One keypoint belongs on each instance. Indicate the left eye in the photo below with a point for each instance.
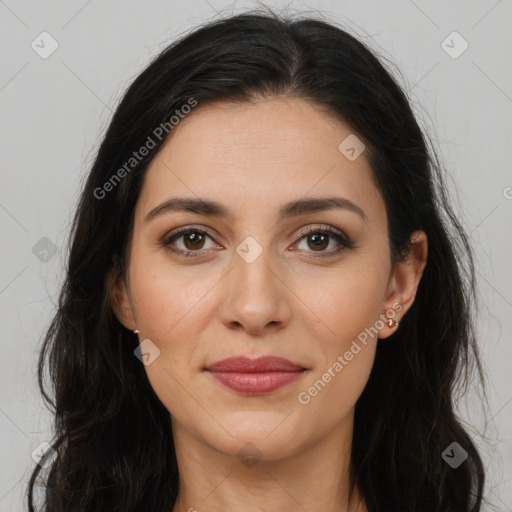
(318, 240)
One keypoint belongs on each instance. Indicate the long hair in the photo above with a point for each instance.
(112, 435)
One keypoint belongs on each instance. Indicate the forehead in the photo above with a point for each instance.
(261, 154)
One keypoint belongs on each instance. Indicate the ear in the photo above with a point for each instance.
(404, 281)
(117, 292)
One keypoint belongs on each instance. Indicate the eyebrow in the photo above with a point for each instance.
(288, 210)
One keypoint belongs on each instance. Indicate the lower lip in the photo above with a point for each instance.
(256, 383)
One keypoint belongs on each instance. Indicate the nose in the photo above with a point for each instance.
(255, 299)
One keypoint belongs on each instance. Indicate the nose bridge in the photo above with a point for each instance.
(254, 295)
(253, 268)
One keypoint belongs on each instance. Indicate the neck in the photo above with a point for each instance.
(314, 478)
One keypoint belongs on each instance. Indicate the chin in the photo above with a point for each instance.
(266, 438)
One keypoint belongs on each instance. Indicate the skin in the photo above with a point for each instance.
(253, 158)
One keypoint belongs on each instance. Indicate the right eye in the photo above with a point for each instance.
(193, 240)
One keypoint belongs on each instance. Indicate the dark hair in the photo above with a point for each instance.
(113, 436)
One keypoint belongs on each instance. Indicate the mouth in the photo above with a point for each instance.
(255, 376)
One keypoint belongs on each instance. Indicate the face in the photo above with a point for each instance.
(305, 284)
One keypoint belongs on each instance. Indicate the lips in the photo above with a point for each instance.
(255, 376)
(261, 364)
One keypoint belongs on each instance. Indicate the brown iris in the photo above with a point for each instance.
(194, 239)
(319, 240)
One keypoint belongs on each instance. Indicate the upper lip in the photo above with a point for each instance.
(242, 364)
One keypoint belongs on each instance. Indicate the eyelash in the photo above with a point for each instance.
(344, 241)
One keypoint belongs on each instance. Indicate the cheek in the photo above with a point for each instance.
(169, 301)
(332, 392)
(171, 311)
(342, 303)
(347, 304)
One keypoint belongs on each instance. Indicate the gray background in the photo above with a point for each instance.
(55, 110)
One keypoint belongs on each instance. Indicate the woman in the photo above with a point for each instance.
(268, 297)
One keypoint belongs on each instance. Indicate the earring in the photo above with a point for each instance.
(392, 323)
(136, 331)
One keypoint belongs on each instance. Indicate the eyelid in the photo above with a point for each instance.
(184, 229)
(323, 228)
